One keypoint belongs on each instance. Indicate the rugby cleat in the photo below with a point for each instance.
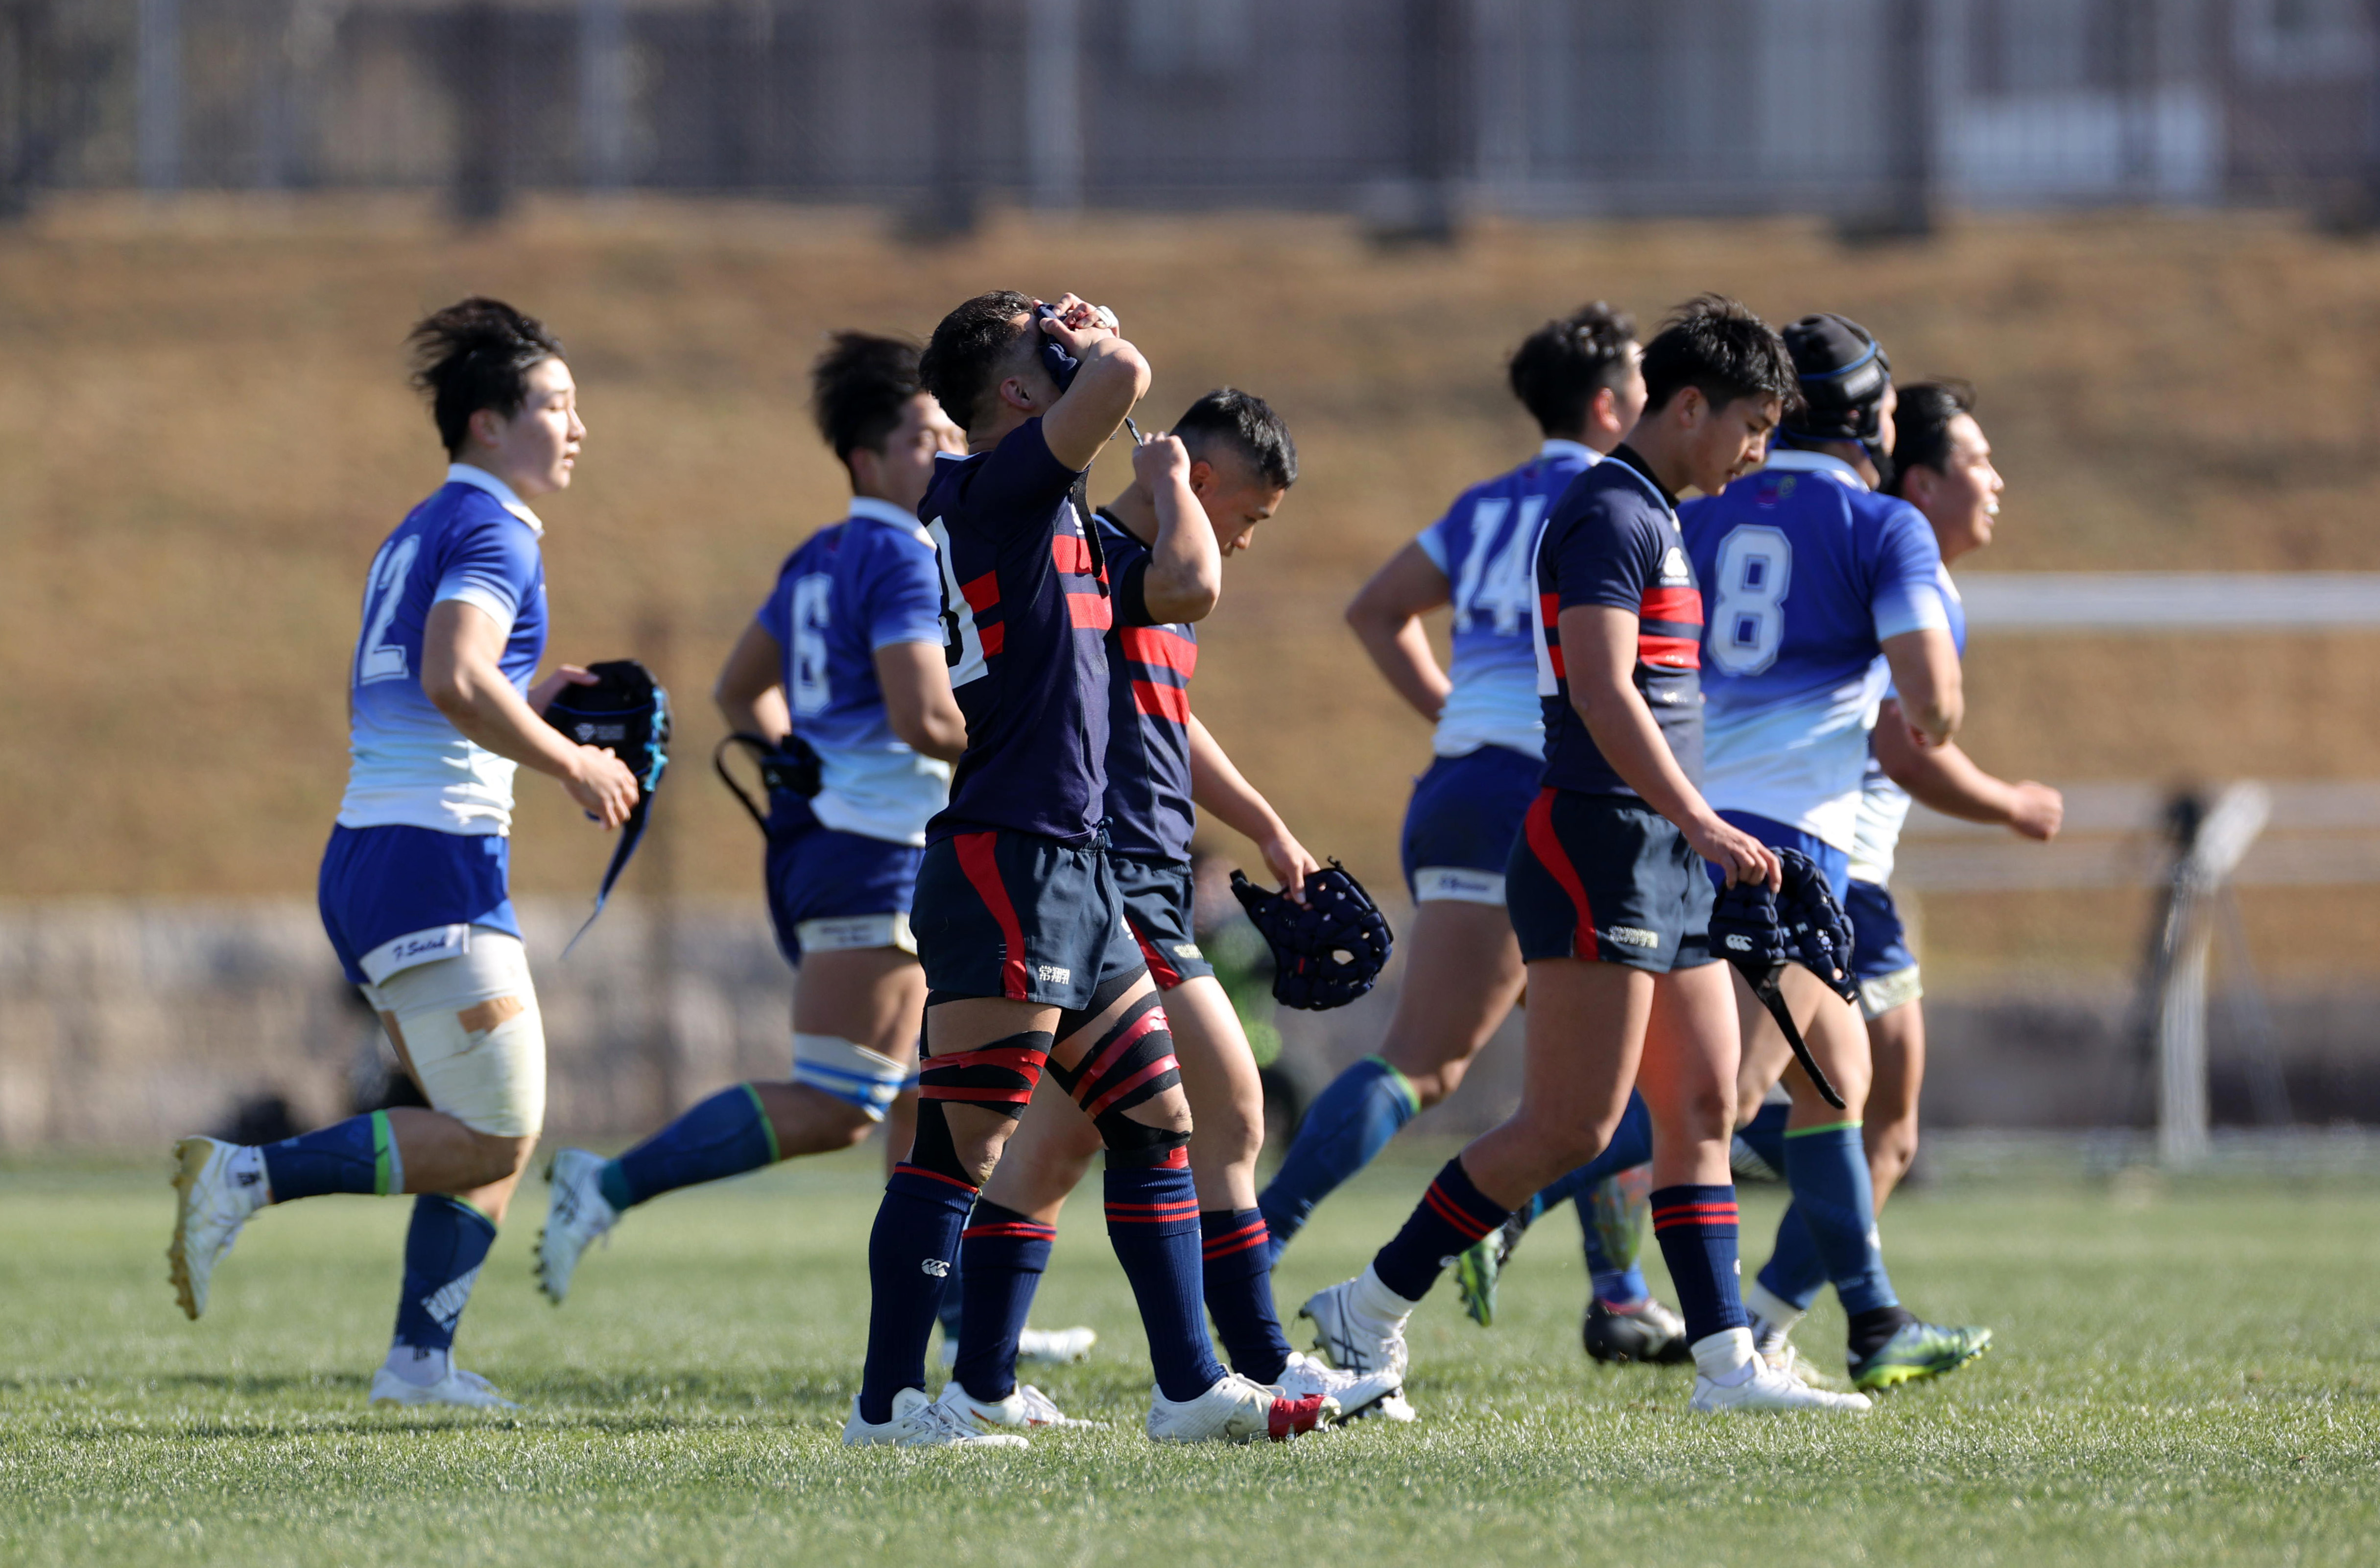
(1918, 1350)
(1767, 1389)
(1787, 1357)
(1237, 1409)
(215, 1191)
(455, 1385)
(1647, 1333)
(1357, 1395)
(1039, 1347)
(918, 1422)
(576, 1213)
(1352, 1339)
(1026, 1408)
(1477, 1269)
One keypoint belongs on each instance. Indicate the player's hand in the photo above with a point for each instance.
(1743, 857)
(601, 784)
(1160, 460)
(2037, 812)
(541, 695)
(1078, 323)
(1289, 864)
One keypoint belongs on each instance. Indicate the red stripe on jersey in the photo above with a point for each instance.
(1154, 645)
(1162, 701)
(994, 637)
(1537, 828)
(1554, 658)
(1684, 605)
(1671, 652)
(1072, 554)
(1090, 612)
(983, 875)
(1549, 609)
(983, 592)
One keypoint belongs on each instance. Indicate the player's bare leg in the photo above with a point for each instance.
(1897, 1045)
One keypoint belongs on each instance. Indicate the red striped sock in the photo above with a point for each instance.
(1696, 1229)
(1451, 1216)
(1153, 1224)
(1238, 1259)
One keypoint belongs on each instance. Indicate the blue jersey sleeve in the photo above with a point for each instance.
(1432, 541)
(489, 562)
(1907, 597)
(776, 615)
(1019, 485)
(903, 599)
(1608, 555)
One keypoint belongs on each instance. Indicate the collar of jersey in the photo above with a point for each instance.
(883, 511)
(1793, 459)
(479, 478)
(1648, 481)
(1556, 446)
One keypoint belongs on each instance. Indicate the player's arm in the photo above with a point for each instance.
(1925, 665)
(750, 691)
(461, 645)
(1185, 575)
(1386, 614)
(919, 702)
(1598, 646)
(1113, 378)
(1947, 779)
(1218, 789)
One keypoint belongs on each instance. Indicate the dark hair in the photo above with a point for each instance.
(970, 346)
(1717, 347)
(1921, 426)
(1559, 368)
(477, 354)
(861, 390)
(1246, 422)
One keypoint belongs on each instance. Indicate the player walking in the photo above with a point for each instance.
(1814, 576)
(414, 883)
(1606, 889)
(1019, 919)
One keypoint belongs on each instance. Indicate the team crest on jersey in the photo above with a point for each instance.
(1674, 566)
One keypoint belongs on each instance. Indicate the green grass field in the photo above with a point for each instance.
(2184, 1376)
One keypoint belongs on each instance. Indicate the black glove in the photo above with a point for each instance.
(1327, 951)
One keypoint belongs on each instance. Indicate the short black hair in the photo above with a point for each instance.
(970, 346)
(1247, 422)
(1717, 347)
(1559, 368)
(475, 354)
(1921, 426)
(861, 390)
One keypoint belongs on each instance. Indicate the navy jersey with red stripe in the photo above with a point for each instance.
(1025, 619)
(1613, 540)
(1149, 666)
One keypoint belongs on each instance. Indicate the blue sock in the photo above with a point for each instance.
(725, 1136)
(951, 1313)
(1003, 1255)
(1451, 1217)
(1795, 1272)
(1237, 1257)
(1765, 1135)
(358, 1155)
(1601, 1212)
(1345, 1128)
(1631, 1146)
(1826, 1168)
(909, 1256)
(1153, 1224)
(1695, 1226)
(444, 1248)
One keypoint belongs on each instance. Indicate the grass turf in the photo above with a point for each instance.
(2180, 1376)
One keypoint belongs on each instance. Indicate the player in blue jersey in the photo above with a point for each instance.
(1196, 496)
(1819, 585)
(1019, 918)
(414, 887)
(1580, 379)
(1606, 889)
(846, 656)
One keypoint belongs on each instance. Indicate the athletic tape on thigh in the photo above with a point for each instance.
(1111, 990)
(848, 1071)
(997, 1077)
(1886, 992)
(1131, 1064)
(475, 1037)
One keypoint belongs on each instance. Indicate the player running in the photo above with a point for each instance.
(1607, 887)
(1196, 496)
(1814, 576)
(414, 883)
(1019, 918)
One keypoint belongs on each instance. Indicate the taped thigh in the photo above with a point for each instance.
(470, 1028)
(866, 1079)
(1131, 1064)
(999, 1078)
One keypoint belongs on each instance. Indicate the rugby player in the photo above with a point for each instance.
(1606, 888)
(414, 883)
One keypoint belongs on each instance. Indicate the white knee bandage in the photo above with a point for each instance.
(849, 933)
(470, 1028)
(849, 1071)
(1886, 992)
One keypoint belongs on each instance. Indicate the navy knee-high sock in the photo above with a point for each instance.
(1764, 1135)
(1826, 1168)
(1450, 1216)
(951, 1313)
(1003, 1255)
(909, 1255)
(1237, 1257)
(358, 1155)
(1345, 1128)
(724, 1136)
(1794, 1273)
(1695, 1226)
(1153, 1226)
(444, 1248)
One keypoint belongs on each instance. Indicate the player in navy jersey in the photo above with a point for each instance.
(1580, 379)
(1019, 919)
(1606, 889)
(847, 657)
(1197, 496)
(414, 883)
(1818, 586)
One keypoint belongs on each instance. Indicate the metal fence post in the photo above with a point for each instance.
(157, 114)
(2222, 839)
(603, 93)
(1053, 102)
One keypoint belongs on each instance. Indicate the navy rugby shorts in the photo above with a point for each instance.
(1879, 942)
(1833, 864)
(1156, 908)
(844, 889)
(394, 897)
(1608, 879)
(1463, 821)
(1020, 916)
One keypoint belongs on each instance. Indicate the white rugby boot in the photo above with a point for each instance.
(1359, 1325)
(1039, 1347)
(1237, 1409)
(1026, 1408)
(451, 1386)
(1730, 1378)
(576, 1212)
(918, 1422)
(217, 1186)
(1357, 1395)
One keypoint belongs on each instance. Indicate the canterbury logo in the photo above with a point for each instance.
(1633, 936)
(935, 1268)
(1739, 945)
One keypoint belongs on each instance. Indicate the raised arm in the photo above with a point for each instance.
(750, 691)
(1112, 378)
(1184, 576)
(1218, 789)
(461, 645)
(1386, 614)
(919, 703)
(1925, 666)
(1947, 779)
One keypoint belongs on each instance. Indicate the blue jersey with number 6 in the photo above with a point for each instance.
(1486, 545)
(1806, 573)
(851, 589)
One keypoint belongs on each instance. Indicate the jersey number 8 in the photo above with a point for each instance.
(1747, 624)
